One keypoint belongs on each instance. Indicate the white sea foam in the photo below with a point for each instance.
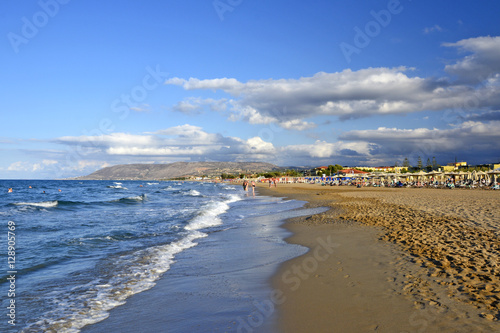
(193, 193)
(132, 273)
(118, 187)
(143, 269)
(209, 214)
(141, 197)
(138, 197)
(46, 204)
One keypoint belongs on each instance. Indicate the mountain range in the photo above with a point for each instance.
(176, 170)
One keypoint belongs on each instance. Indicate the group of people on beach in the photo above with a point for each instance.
(246, 184)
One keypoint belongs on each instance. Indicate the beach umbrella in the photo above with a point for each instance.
(482, 174)
(421, 174)
(435, 173)
(493, 173)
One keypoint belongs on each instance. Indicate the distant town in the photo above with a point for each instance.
(331, 170)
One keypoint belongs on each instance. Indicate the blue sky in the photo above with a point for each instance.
(88, 84)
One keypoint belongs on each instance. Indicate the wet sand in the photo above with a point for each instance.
(221, 285)
(392, 260)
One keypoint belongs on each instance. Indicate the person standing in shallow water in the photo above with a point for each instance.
(245, 185)
(253, 187)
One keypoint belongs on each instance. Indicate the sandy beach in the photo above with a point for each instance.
(392, 260)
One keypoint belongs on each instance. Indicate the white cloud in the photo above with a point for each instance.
(434, 28)
(140, 108)
(20, 166)
(194, 105)
(469, 139)
(347, 94)
(483, 63)
(297, 124)
(31, 167)
(49, 162)
(322, 149)
(187, 107)
(367, 92)
(214, 84)
(184, 141)
(188, 142)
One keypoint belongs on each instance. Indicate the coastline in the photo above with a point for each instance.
(402, 260)
(222, 284)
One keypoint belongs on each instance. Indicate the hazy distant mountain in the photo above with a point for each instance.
(177, 169)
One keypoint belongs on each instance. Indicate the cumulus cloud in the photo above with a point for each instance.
(367, 92)
(347, 94)
(322, 149)
(481, 64)
(213, 84)
(194, 105)
(175, 142)
(469, 139)
(188, 142)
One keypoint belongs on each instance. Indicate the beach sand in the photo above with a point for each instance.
(392, 260)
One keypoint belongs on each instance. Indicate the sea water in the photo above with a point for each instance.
(83, 248)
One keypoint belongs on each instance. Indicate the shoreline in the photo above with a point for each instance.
(220, 285)
(401, 250)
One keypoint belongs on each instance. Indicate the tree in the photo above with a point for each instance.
(406, 163)
(292, 173)
(419, 163)
(428, 165)
(434, 163)
(331, 169)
